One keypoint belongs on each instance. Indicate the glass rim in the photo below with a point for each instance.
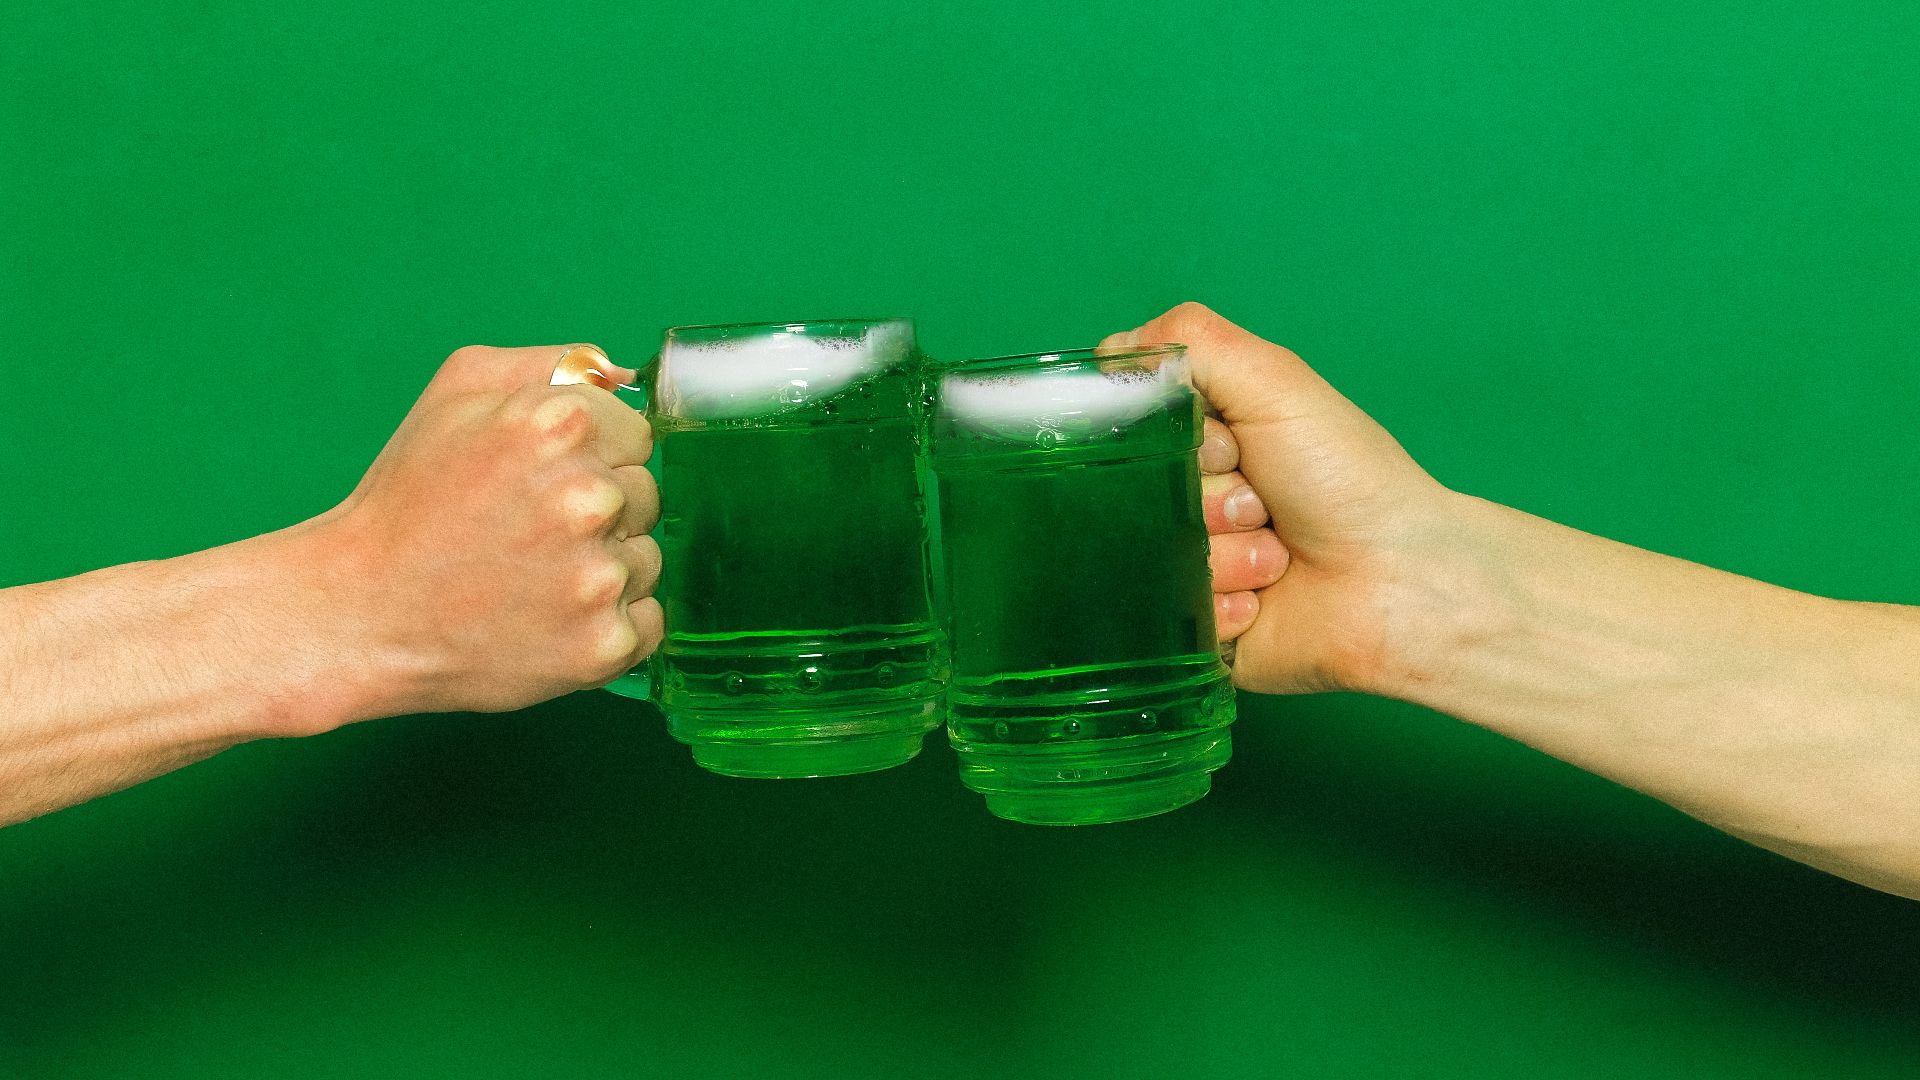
(1065, 357)
(787, 326)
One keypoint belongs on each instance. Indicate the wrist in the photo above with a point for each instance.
(1450, 590)
(336, 664)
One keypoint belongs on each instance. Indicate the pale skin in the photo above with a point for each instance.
(495, 556)
(1791, 721)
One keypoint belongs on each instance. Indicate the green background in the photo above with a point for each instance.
(1649, 269)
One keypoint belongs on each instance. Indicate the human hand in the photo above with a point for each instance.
(1313, 510)
(496, 553)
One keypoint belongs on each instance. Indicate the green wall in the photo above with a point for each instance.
(1649, 269)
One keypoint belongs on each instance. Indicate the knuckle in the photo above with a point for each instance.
(518, 407)
(467, 356)
(594, 503)
(1191, 316)
(1195, 324)
(557, 422)
(602, 582)
(557, 412)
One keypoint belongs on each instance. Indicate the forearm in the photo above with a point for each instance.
(1787, 719)
(119, 675)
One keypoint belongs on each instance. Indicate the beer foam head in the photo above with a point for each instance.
(1070, 399)
(736, 377)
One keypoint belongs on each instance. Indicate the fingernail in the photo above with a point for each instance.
(1244, 508)
(589, 364)
(1236, 607)
(1267, 554)
(1215, 455)
(606, 374)
(625, 376)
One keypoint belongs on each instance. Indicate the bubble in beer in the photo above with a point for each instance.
(810, 679)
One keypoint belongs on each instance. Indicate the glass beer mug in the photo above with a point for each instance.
(800, 633)
(1087, 681)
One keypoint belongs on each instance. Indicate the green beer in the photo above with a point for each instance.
(1087, 682)
(800, 634)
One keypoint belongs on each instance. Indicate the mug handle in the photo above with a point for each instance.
(637, 395)
(637, 684)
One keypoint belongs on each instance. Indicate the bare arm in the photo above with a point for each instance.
(1789, 720)
(494, 556)
(119, 675)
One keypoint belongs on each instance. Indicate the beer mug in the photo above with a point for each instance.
(800, 634)
(1087, 680)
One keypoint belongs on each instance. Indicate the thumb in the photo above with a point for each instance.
(1250, 381)
(1317, 461)
(485, 368)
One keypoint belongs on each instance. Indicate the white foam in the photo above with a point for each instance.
(725, 380)
(1074, 399)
